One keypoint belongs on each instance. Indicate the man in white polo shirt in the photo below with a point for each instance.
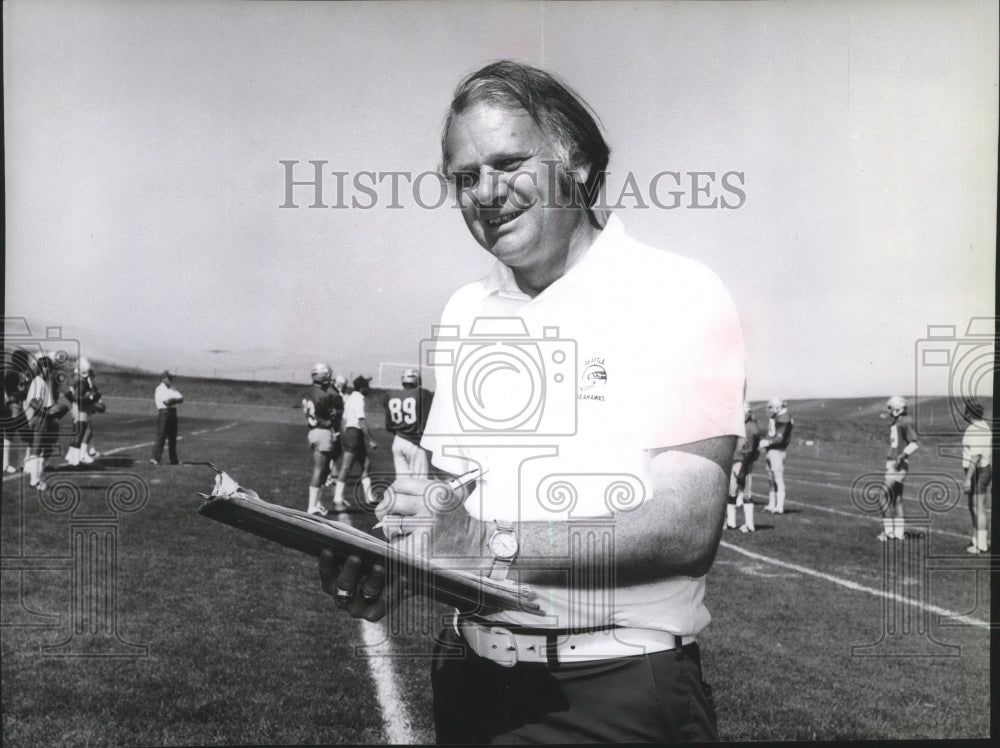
(357, 442)
(166, 399)
(599, 382)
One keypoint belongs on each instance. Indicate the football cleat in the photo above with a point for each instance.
(882, 537)
(896, 406)
(747, 528)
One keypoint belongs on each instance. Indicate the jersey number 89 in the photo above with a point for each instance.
(402, 410)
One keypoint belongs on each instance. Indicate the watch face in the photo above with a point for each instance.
(503, 545)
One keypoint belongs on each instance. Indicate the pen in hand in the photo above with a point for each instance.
(458, 482)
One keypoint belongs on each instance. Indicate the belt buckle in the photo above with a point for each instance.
(511, 649)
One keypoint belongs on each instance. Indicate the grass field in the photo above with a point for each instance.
(222, 638)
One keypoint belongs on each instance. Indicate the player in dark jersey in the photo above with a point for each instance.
(740, 481)
(86, 400)
(17, 376)
(779, 436)
(324, 410)
(902, 444)
(406, 412)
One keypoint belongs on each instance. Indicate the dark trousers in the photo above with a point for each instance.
(650, 698)
(166, 431)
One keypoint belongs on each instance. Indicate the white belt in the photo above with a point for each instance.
(508, 647)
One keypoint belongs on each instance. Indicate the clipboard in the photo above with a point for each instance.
(470, 592)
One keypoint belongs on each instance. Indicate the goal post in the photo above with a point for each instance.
(390, 373)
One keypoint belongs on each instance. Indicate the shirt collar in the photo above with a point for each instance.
(501, 282)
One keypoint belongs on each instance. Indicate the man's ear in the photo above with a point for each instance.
(580, 174)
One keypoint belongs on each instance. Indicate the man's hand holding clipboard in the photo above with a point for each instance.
(364, 573)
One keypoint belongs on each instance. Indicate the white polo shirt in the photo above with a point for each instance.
(163, 393)
(354, 410)
(632, 349)
(39, 390)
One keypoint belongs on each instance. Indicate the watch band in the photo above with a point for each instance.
(501, 564)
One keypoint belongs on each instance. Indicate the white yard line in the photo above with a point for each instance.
(854, 586)
(395, 717)
(856, 515)
(126, 448)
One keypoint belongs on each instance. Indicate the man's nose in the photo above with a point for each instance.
(491, 188)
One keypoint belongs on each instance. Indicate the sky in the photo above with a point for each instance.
(846, 152)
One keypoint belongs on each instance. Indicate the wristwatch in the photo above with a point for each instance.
(503, 546)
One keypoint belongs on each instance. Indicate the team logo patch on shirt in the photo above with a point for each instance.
(593, 380)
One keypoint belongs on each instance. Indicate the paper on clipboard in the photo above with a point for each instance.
(469, 592)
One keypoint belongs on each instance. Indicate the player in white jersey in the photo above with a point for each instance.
(977, 460)
(779, 436)
(356, 443)
(902, 444)
(42, 410)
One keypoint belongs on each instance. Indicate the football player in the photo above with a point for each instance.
(357, 442)
(340, 384)
(779, 434)
(740, 481)
(902, 444)
(85, 400)
(977, 443)
(17, 375)
(324, 408)
(42, 410)
(406, 412)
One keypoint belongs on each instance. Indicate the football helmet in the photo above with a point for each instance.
(774, 405)
(974, 410)
(410, 376)
(340, 381)
(321, 373)
(896, 406)
(84, 368)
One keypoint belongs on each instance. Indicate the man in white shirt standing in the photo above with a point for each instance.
(598, 382)
(167, 399)
(977, 452)
(357, 441)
